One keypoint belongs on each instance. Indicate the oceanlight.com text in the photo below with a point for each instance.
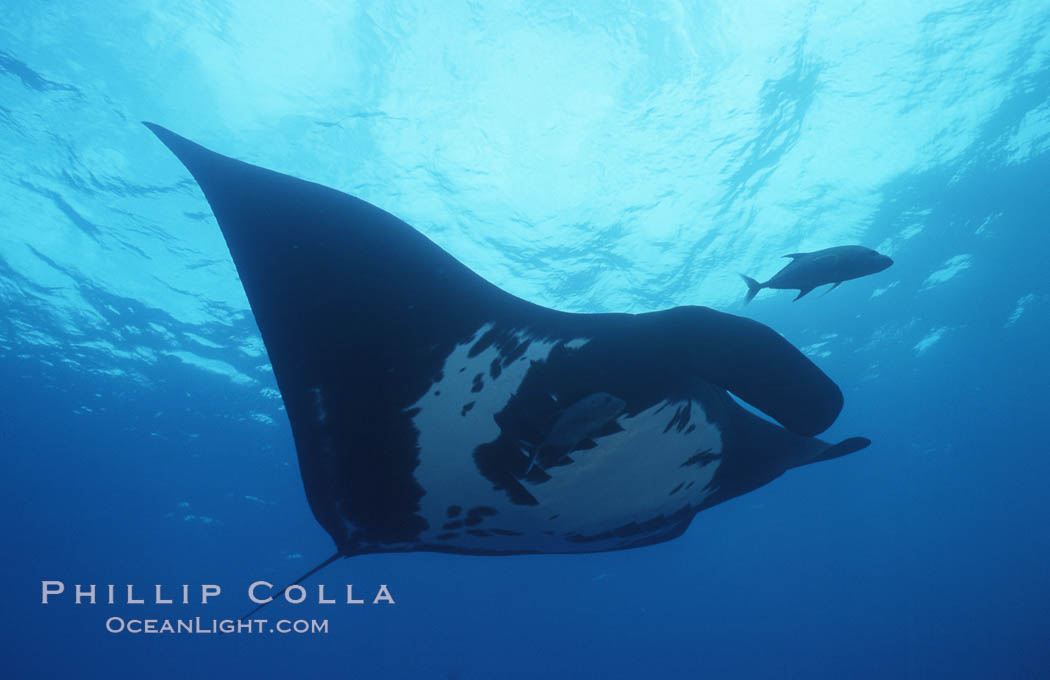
(197, 626)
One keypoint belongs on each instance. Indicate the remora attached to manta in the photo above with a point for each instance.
(410, 383)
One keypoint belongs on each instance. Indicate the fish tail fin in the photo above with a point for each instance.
(299, 580)
(752, 288)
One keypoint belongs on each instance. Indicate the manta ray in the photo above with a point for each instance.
(411, 383)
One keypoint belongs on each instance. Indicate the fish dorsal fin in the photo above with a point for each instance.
(795, 256)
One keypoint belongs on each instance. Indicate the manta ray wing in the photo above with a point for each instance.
(409, 381)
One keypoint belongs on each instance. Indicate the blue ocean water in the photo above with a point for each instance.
(600, 157)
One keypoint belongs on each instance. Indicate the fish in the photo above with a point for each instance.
(577, 423)
(806, 271)
(409, 382)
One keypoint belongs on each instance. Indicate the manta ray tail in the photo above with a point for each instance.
(752, 288)
(299, 580)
